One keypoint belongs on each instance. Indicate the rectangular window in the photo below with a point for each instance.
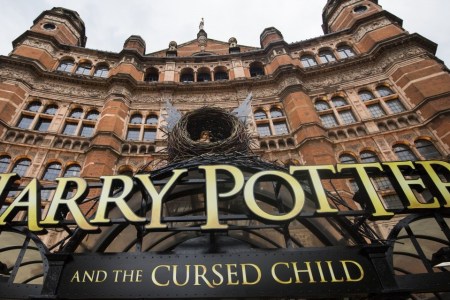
(133, 134)
(87, 130)
(347, 116)
(264, 130)
(383, 183)
(328, 120)
(149, 135)
(395, 106)
(376, 110)
(43, 124)
(70, 128)
(25, 122)
(280, 128)
(392, 202)
(353, 186)
(3, 208)
(45, 194)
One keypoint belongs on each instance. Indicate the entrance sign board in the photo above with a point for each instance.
(280, 273)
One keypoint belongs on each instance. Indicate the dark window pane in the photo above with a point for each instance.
(70, 128)
(34, 106)
(101, 71)
(188, 77)
(92, 115)
(345, 52)
(347, 159)
(52, 171)
(43, 124)
(21, 167)
(276, 113)
(393, 202)
(133, 134)
(339, 101)
(84, 69)
(264, 129)
(326, 56)
(368, 157)
(308, 61)
(404, 153)
(221, 75)
(202, 77)
(347, 117)
(328, 120)
(66, 66)
(321, 105)
(260, 115)
(376, 110)
(384, 91)
(4, 163)
(87, 130)
(72, 171)
(136, 119)
(280, 128)
(365, 96)
(25, 122)
(427, 149)
(51, 110)
(151, 120)
(76, 113)
(149, 135)
(395, 106)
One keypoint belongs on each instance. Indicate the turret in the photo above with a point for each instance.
(270, 35)
(135, 42)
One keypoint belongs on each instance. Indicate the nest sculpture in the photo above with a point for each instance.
(207, 130)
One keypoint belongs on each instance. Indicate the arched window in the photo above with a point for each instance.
(347, 159)
(321, 105)
(52, 171)
(92, 115)
(21, 166)
(368, 157)
(339, 101)
(404, 153)
(5, 160)
(136, 119)
(72, 171)
(256, 69)
(66, 66)
(384, 91)
(84, 69)
(221, 74)
(34, 106)
(51, 109)
(76, 113)
(152, 75)
(260, 115)
(276, 112)
(308, 61)
(101, 71)
(151, 120)
(345, 51)
(187, 75)
(365, 95)
(326, 56)
(203, 75)
(427, 149)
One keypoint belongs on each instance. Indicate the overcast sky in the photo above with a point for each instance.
(110, 22)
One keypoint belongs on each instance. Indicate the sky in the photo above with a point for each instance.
(110, 22)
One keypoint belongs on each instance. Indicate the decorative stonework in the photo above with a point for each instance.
(333, 17)
(65, 22)
(39, 44)
(362, 30)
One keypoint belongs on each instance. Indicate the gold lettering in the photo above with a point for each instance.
(6, 180)
(244, 274)
(116, 274)
(119, 200)
(201, 275)
(405, 185)
(333, 277)
(157, 198)
(156, 282)
(347, 273)
(60, 200)
(298, 196)
(217, 273)
(138, 276)
(274, 274)
(313, 172)
(231, 274)
(98, 277)
(435, 183)
(88, 276)
(33, 205)
(175, 273)
(319, 267)
(212, 210)
(75, 277)
(379, 210)
(308, 270)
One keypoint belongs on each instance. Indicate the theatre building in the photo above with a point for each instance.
(316, 169)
